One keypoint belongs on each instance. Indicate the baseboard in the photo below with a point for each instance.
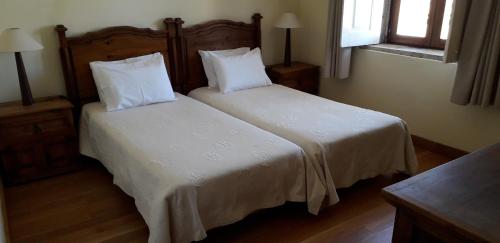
(435, 147)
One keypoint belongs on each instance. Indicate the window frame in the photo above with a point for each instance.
(432, 39)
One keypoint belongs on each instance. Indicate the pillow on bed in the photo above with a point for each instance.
(207, 57)
(241, 72)
(132, 82)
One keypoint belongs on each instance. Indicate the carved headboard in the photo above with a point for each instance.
(108, 44)
(212, 35)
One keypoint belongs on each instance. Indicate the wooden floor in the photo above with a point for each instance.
(87, 207)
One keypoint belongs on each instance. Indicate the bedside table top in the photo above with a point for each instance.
(15, 108)
(296, 67)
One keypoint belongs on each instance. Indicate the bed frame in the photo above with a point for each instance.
(178, 45)
(212, 35)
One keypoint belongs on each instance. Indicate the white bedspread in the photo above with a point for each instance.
(343, 143)
(190, 167)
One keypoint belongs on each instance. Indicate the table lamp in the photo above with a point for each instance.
(14, 40)
(288, 21)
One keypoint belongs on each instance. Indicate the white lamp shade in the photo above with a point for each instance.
(288, 21)
(16, 40)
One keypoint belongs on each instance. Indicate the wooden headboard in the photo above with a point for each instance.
(108, 44)
(212, 35)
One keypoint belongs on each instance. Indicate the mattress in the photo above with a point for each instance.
(343, 143)
(190, 167)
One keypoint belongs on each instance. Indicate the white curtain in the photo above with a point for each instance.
(478, 70)
(338, 59)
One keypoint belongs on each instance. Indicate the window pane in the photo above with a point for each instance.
(362, 22)
(446, 20)
(413, 16)
(348, 18)
(363, 14)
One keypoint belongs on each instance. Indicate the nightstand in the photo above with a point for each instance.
(37, 141)
(301, 76)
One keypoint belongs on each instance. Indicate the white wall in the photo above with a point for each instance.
(417, 90)
(39, 17)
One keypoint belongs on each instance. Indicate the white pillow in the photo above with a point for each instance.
(129, 60)
(241, 72)
(132, 82)
(207, 57)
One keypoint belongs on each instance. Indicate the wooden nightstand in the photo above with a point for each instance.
(301, 76)
(37, 141)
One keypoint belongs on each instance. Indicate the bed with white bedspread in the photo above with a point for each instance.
(343, 143)
(191, 168)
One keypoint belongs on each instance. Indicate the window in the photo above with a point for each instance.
(362, 22)
(422, 23)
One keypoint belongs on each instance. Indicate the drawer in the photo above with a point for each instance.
(291, 83)
(35, 118)
(306, 84)
(309, 85)
(56, 125)
(61, 151)
(30, 161)
(309, 81)
(21, 163)
(300, 76)
(19, 130)
(28, 127)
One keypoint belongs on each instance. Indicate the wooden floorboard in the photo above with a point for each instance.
(87, 207)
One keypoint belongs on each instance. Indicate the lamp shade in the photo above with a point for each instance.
(288, 21)
(16, 40)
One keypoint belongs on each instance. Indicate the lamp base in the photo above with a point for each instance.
(23, 81)
(288, 49)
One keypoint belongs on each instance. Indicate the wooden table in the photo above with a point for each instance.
(456, 202)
